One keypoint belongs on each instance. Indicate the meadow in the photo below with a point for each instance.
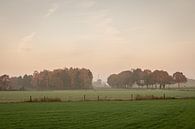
(148, 114)
(73, 112)
(77, 95)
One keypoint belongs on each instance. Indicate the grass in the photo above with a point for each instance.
(150, 114)
(75, 95)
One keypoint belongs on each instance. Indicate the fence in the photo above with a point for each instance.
(132, 97)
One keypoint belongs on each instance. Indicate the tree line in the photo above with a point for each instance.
(156, 78)
(75, 78)
(59, 79)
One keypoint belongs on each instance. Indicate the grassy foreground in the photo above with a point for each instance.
(151, 114)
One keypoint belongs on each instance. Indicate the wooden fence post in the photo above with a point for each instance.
(164, 96)
(98, 97)
(44, 99)
(131, 96)
(83, 97)
(30, 98)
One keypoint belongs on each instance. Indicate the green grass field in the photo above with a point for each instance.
(150, 114)
(75, 95)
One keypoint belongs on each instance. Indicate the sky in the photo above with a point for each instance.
(105, 36)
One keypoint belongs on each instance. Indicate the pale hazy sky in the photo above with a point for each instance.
(106, 36)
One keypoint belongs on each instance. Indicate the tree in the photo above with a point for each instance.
(170, 80)
(146, 77)
(179, 78)
(4, 82)
(35, 79)
(43, 78)
(138, 77)
(160, 77)
(122, 80)
(16, 83)
(85, 78)
(72, 78)
(113, 81)
(27, 81)
(125, 79)
(66, 78)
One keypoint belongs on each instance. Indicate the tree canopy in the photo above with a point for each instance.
(126, 79)
(72, 78)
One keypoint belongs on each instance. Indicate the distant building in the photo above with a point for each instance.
(99, 84)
